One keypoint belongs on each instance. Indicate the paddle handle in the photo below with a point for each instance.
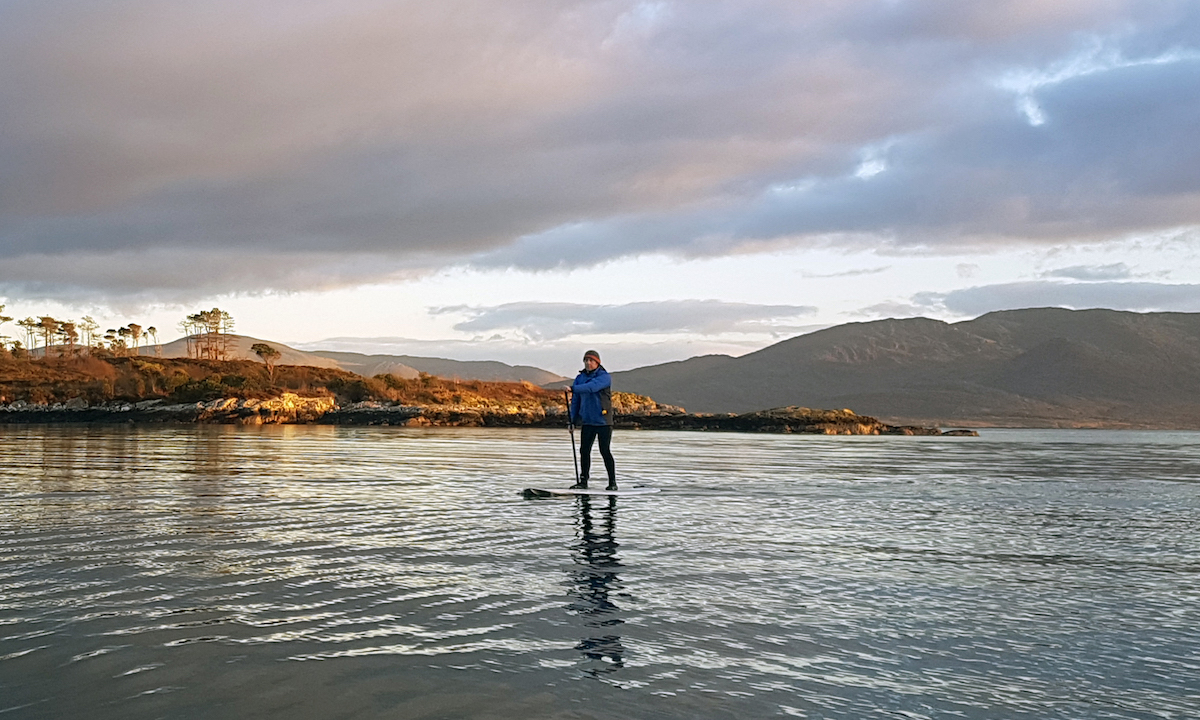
(571, 428)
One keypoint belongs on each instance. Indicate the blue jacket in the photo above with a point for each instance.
(591, 398)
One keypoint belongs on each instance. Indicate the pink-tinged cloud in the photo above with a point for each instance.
(298, 141)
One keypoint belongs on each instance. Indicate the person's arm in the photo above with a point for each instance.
(596, 384)
(573, 414)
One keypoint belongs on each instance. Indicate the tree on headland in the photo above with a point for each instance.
(135, 334)
(210, 329)
(4, 319)
(69, 334)
(29, 325)
(188, 328)
(269, 355)
(153, 333)
(116, 343)
(88, 326)
(49, 328)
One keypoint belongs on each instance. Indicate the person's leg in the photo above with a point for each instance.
(605, 435)
(587, 435)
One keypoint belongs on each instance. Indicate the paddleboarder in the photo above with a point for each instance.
(591, 410)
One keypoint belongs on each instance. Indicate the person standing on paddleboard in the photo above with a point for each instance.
(591, 410)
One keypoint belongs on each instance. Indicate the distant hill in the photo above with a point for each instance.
(238, 348)
(1044, 367)
(403, 365)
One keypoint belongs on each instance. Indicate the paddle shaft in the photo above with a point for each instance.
(571, 428)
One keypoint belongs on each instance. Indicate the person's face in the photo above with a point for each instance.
(590, 363)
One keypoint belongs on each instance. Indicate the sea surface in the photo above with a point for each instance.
(333, 572)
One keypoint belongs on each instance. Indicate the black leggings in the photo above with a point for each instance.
(587, 434)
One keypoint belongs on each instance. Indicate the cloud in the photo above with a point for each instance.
(847, 273)
(891, 309)
(176, 276)
(1134, 296)
(1115, 271)
(296, 140)
(555, 321)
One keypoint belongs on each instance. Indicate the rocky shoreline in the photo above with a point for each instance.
(293, 409)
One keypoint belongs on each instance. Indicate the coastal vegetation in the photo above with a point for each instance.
(77, 363)
(269, 356)
(144, 389)
(206, 333)
(104, 378)
(71, 338)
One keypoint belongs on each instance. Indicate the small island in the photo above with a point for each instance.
(108, 388)
(89, 377)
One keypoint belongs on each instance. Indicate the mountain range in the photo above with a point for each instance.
(404, 366)
(1043, 367)
(237, 347)
(408, 366)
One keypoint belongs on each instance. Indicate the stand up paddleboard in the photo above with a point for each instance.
(566, 492)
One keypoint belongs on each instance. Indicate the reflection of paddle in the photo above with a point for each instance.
(571, 428)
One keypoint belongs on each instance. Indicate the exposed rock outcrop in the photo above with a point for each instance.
(644, 415)
(285, 409)
(294, 409)
(776, 420)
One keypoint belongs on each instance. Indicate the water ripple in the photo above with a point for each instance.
(362, 572)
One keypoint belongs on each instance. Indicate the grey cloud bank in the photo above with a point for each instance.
(301, 145)
(1137, 296)
(1114, 271)
(555, 321)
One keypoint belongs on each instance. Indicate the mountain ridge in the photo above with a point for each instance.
(238, 347)
(490, 370)
(1032, 367)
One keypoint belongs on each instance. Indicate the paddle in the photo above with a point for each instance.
(571, 428)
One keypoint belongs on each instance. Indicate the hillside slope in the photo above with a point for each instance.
(238, 348)
(402, 365)
(1037, 367)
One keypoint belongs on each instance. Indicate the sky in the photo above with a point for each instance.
(523, 180)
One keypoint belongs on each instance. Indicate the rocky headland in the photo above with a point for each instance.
(239, 392)
(289, 408)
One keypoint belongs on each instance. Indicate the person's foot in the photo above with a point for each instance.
(581, 485)
(612, 485)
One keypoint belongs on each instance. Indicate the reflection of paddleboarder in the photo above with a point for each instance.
(591, 409)
(593, 580)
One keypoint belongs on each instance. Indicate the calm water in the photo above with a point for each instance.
(318, 572)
